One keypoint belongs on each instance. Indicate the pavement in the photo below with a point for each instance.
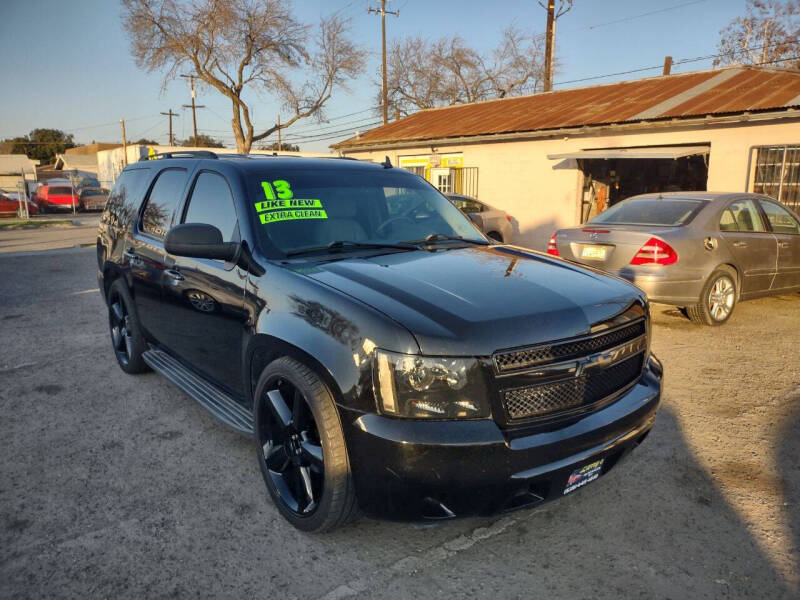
(81, 230)
(118, 486)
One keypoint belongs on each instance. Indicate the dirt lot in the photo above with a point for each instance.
(115, 486)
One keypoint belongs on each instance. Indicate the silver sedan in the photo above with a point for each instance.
(697, 250)
(493, 222)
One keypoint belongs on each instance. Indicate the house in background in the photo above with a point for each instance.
(15, 169)
(555, 159)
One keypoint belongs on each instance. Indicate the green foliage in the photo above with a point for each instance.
(284, 147)
(202, 141)
(42, 144)
(145, 142)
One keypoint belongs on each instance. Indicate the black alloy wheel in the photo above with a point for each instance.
(291, 446)
(123, 325)
(119, 323)
(301, 448)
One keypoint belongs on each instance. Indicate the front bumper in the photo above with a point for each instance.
(440, 469)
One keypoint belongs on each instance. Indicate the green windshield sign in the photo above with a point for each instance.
(281, 205)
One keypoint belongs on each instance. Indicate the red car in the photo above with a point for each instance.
(9, 206)
(56, 198)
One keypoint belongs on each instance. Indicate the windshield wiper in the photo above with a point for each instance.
(442, 237)
(346, 244)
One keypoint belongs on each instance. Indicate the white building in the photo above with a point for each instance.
(555, 159)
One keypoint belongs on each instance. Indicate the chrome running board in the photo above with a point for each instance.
(218, 403)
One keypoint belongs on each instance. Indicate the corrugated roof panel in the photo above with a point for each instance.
(750, 89)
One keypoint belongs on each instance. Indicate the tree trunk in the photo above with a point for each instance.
(243, 144)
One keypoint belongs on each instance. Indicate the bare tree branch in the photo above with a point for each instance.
(238, 45)
(767, 33)
(424, 74)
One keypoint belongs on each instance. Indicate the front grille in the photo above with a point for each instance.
(583, 391)
(514, 360)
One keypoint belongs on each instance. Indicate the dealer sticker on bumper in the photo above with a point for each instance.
(583, 475)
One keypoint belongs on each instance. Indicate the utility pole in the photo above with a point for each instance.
(170, 114)
(279, 133)
(193, 106)
(667, 65)
(124, 143)
(383, 12)
(549, 45)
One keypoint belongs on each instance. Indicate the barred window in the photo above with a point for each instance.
(778, 174)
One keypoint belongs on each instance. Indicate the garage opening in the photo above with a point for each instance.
(610, 175)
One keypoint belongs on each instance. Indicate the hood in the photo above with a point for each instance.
(474, 301)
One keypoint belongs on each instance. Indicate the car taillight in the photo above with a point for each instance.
(655, 252)
(508, 218)
(552, 247)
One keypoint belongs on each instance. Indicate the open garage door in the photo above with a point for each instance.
(613, 174)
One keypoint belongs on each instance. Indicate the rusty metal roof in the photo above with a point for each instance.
(723, 91)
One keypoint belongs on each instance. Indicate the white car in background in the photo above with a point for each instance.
(493, 222)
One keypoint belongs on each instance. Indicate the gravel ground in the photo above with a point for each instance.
(119, 486)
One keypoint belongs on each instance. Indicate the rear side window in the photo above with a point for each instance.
(780, 219)
(746, 216)
(123, 201)
(212, 203)
(466, 205)
(664, 212)
(727, 222)
(164, 198)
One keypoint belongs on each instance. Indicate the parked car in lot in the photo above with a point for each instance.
(10, 206)
(401, 365)
(702, 251)
(493, 222)
(60, 197)
(92, 198)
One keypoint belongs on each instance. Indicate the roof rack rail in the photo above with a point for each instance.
(180, 154)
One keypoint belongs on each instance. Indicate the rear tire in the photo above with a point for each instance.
(717, 300)
(299, 433)
(126, 335)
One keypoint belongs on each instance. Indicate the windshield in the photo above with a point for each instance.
(299, 209)
(666, 212)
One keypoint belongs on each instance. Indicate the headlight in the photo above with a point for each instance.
(423, 387)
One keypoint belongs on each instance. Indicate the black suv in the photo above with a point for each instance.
(383, 354)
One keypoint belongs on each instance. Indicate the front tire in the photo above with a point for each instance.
(301, 448)
(717, 300)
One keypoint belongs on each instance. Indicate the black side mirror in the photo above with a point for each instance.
(198, 240)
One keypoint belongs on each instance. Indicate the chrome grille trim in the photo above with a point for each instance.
(520, 360)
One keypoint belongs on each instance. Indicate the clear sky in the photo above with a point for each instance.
(67, 65)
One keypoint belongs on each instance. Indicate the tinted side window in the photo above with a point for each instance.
(468, 206)
(746, 215)
(727, 222)
(780, 219)
(212, 203)
(123, 201)
(164, 198)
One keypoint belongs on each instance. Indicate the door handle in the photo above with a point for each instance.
(739, 244)
(173, 274)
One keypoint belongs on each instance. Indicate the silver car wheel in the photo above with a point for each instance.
(721, 298)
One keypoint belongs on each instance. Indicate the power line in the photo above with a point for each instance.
(680, 62)
(646, 14)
